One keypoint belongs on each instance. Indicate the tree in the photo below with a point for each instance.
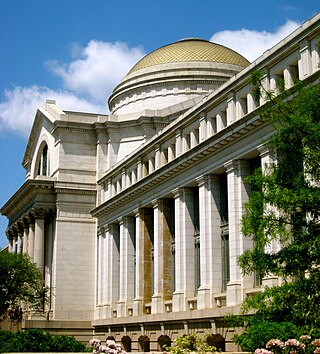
(284, 207)
(21, 282)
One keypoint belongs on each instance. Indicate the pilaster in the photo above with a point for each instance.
(184, 248)
(127, 266)
(210, 239)
(144, 268)
(163, 262)
(238, 193)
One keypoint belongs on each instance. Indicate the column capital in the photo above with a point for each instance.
(38, 213)
(229, 166)
(201, 180)
(101, 230)
(25, 222)
(18, 227)
(10, 233)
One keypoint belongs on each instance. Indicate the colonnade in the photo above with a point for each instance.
(178, 252)
(27, 235)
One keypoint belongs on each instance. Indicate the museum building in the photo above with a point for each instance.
(135, 217)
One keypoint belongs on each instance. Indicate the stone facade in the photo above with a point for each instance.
(134, 217)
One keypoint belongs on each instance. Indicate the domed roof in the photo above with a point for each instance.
(188, 50)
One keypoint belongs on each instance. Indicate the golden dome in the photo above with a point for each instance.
(191, 50)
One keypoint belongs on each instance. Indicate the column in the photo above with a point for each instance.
(19, 230)
(162, 211)
(112, 272)
(31, 222)
(10, 239)
(184, 248)
(178, 143)
(25, 236)
(210, 239)
(231, 109)
(268, 158)
(305, 63)
(144, 271)
(203, 127)
(127, 266)
(139, 169)
(39, 237)
(100, 265)
(157, 161)
(238, 193)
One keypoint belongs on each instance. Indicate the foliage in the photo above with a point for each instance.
(191, 343)
(36, 340)
(20, 282)
(257, 336)
(285, 204)
(284, 209)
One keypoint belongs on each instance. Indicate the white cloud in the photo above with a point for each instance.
(88, 81)
(18, 109)
(97, 68)
(250, 43)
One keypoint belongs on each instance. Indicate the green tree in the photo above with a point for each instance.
(21, 282)
(284, 206)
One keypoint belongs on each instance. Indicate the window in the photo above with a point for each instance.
(196, 225)
(43, 169)
(225, 260)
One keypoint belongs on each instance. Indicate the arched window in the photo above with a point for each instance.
(43, 162)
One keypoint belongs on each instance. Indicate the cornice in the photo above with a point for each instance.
(221, 140)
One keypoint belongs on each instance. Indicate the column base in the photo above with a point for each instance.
(204, 298)
(271, 281)
(234, 293)
(178, 301)
(121, 309)
(157, 304)
(138, 307)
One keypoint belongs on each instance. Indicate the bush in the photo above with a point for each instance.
(190, 343)
(36, 340)
(257, 335)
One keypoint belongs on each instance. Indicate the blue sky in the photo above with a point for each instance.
(76, 51)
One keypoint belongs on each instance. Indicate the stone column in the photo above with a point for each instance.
(305, 63)
(10, 239)
(203, 131)
(268, 158)
(19, 230)
(100, 266)
(127, 266)
(15, 240)
(39, 237)
(184, 248)
(25, 236)
(144, 271)
(163, 262)
(178, 143)
(238, 193)
(231, 109)
(31, 222)
(210, 239)
(112, 267)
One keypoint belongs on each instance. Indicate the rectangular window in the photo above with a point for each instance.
(225, 261)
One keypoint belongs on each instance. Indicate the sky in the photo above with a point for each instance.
(76, 51)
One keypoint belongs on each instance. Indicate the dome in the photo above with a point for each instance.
(191, 49)
(175, 73)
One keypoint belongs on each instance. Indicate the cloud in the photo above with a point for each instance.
(87, 81)
(250, 43)
(98, 69)
(19, 106)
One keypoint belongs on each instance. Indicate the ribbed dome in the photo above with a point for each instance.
(188, 50)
